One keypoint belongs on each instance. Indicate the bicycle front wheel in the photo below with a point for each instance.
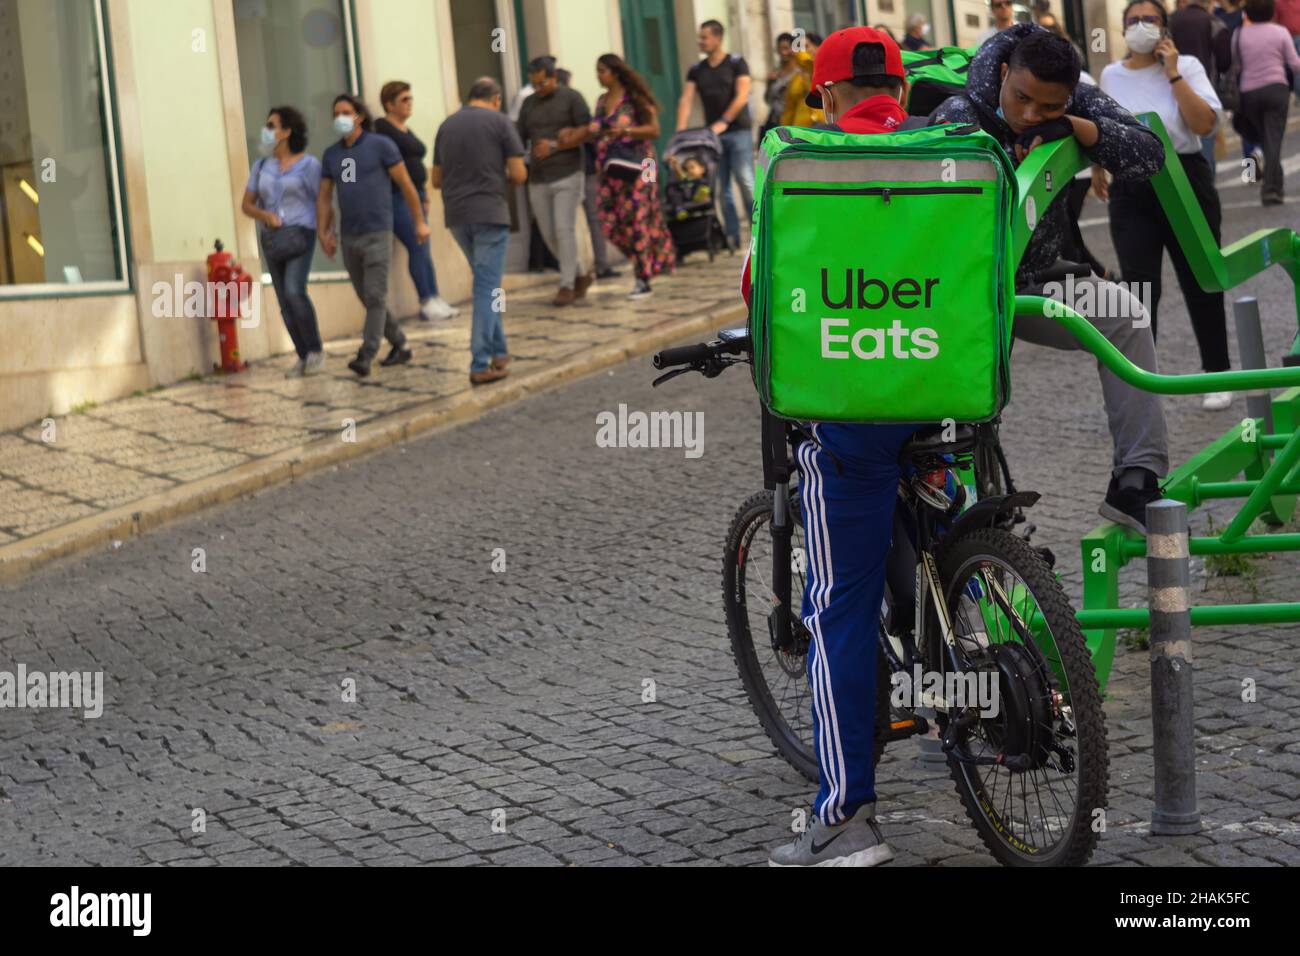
(1015, 628)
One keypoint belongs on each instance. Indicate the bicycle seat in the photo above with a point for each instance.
(930, 441)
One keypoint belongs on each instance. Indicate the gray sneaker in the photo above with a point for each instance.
(295, 370)
(314, 363)
(856, 843)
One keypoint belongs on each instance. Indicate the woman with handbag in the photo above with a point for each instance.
(625, 126)
(1156, 78)
(281, 195)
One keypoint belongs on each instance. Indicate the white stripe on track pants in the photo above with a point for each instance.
(848, 511)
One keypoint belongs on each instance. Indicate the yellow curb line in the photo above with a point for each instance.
(146, 514)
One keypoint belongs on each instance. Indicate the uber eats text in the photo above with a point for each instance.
(860, 291)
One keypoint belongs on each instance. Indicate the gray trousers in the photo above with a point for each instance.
(599, 250)
(366, 257)
(555, 205)
(1137, 422)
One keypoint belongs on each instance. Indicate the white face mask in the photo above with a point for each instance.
(343, 124)
(267, 145)
(1142, 37)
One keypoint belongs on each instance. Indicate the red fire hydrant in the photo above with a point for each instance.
(229, 286)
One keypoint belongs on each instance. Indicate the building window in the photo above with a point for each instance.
(60, 203)
(475, 42)
(295, 53)
(972, 20)
(825, 16)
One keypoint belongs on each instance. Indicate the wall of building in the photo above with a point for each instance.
(182, 150)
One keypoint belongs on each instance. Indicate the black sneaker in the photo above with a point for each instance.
(1128, 506)
(608, 274)
(360, 365)
(398, 355)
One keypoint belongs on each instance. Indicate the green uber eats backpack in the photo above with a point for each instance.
(935, 75)
(881, 274)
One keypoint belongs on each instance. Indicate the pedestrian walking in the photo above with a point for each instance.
(553, 124)
(917, 32)
(778, 81)
(1288, 15)
(362, 166)
(476, 152)
(796, 111)
(1197, 32)
(724, 82)
(1155, 77)
(625, 128)
(1004, 15)
(281, 195)
(399, 102)
(1266, 53)
(1232, 14)
(591, 210)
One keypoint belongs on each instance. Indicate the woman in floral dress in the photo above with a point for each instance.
(625, 126)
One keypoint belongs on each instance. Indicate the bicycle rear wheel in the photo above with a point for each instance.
(1014, 622)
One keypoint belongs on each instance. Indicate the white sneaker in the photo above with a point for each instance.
(1216, 401)
(437, 308)
(296, 369)
(313, 364)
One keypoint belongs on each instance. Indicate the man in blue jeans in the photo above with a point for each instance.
(723, 82)
(476, 153)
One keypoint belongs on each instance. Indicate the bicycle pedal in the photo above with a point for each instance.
(901, 727)
(1046, 554)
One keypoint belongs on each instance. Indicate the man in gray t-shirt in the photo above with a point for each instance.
(475, 153)
(556, 174)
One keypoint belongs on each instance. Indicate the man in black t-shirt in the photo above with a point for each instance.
(552, 124)
(723, 82)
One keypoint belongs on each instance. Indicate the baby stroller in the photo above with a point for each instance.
(691, 196)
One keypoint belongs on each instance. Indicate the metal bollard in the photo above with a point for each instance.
(1250, 344)
(1172, 727)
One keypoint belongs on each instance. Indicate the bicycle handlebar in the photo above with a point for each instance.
(683, 355)
(702, 353)
(1113, 359)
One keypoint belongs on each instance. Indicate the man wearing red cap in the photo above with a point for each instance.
(848, 482)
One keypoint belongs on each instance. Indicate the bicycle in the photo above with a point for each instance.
(964, 597)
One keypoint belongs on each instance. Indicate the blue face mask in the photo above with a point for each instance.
(343, 124)
(267, 145)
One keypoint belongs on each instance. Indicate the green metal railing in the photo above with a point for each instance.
(1268, 460)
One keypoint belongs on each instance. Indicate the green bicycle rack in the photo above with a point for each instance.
(1269, 461)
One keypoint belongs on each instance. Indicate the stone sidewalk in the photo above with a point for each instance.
(89, 479)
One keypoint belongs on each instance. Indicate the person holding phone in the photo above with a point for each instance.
(1156, 78)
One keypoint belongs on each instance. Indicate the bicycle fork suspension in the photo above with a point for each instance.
(778, 619)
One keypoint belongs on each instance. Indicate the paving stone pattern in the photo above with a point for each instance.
(522, 692)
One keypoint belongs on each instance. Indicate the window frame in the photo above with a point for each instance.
(108, 109)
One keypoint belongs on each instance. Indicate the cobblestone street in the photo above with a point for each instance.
(499, 713)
